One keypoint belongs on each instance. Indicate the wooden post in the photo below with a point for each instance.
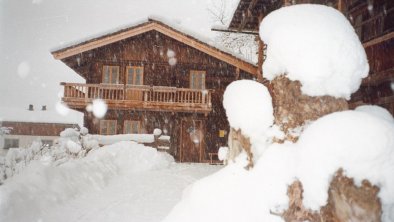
(260, 60)
(236, 73)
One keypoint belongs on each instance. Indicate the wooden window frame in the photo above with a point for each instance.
(108, 121)
(110, 74)
(131, 121)
(134, 67)
(192, 72)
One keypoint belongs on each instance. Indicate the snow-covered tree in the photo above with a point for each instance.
(243, 44)
(5, 130)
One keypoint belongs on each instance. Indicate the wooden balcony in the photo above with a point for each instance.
(151, 98)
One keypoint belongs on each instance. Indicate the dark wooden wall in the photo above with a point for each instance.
(150, 51)
(37, 129)
(377, 21)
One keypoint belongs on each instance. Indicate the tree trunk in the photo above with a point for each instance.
(292, 109)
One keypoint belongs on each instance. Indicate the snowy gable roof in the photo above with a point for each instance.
(172, 30)
(13, 114)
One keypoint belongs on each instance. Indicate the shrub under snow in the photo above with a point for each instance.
(44, 184)
(316, 45)
(248, 107)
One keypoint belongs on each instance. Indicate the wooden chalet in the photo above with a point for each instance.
(373, 21)
(152, 75)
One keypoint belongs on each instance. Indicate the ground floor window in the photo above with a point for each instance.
(132, 127)
(11, 143)
(47, 143)
(108, 127)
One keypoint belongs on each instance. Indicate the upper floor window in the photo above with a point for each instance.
(107, 127)
(197, 79)
(132, 127)
(11, 143)
(111, 74)
(135, 75)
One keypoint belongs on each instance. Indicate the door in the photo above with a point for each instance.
(134, 79)
(192, 141)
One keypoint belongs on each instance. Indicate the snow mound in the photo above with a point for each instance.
(360, 143)
(315, 45)
(234, 194)
(40, 185)
(376, 111)
(248, 107)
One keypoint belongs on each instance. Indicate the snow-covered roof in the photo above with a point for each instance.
(39, 116)
(163, 26)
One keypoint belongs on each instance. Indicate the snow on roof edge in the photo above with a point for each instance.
(97, 35)
(154, 18)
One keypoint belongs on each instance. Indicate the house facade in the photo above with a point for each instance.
(152, 75)
(373, 21)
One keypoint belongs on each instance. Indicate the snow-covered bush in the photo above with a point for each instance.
(248, 107)
(52, 184)
(71, 144)
(316, 45)
(5, 130)
(18, 158)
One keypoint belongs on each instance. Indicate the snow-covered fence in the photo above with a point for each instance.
(155, 140)
(17, 158)
(73, 143)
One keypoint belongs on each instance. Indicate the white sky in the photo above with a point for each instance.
(29, 29)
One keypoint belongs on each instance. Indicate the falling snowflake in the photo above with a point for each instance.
(23, 69)
(170, 53)
(62, 109)
(99, 108)
(172, 61)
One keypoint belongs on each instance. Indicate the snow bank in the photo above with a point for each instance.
(234, 194)
(40, 186)
(248, 107)
(316, 45)
(359, 143)
(111, 139)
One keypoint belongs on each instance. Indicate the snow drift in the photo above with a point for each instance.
(315, 45)
(359, 143)
(41, 185)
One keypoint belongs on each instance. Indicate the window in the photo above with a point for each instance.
(108, 127)
(47, 143)
(132, 127)
(111, 74)
(197, 79)
(11, 143)
(135, 75)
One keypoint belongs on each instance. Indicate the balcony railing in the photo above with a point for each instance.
(78, 95)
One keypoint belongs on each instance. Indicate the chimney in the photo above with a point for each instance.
(31, 107)
(44, 108)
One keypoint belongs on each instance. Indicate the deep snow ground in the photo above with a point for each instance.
(145, 196)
